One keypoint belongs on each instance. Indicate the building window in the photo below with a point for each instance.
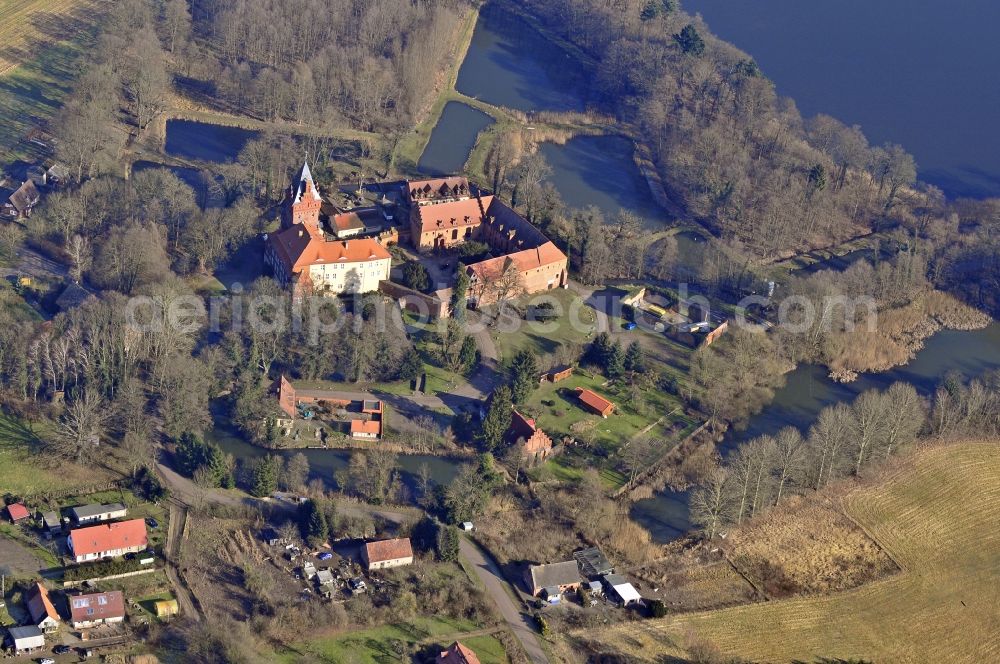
(454, 234)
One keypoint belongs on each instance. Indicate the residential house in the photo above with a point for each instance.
(24, 199)
(97, 609)
(564, 575)
(17, 512)
(88, 514)
(73, 296)
(593, 563)
(621, 590)
(458, 653)
(594, 402)
(537, 444)
(302, 255)
(43, 614)
(387, 553)
(108, 540)
(25, 639)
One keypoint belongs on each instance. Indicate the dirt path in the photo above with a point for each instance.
(175, 534)
(497, 588)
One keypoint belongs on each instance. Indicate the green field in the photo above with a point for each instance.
(389, 643)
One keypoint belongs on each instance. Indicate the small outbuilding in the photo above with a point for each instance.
(558, 373)
(621, 590)
(166, 608)
(17, 512)
(593, 563)
(25, 639)
(51, 523)
(594, 402)
(87, 514)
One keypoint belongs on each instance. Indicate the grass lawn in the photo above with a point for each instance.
(15, 532)
(378, 644)
(938, 516)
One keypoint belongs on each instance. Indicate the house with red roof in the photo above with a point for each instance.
(458, 653)
(43, 613)
(305, 256)
(97, 609)
(17, 512)
(594, 402)
(108, 540)
(387, 553)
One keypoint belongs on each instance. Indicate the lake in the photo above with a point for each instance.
(189, 139)
(453, 138)
(808, 390)
(914, 72)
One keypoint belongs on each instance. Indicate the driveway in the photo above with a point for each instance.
(497, 588)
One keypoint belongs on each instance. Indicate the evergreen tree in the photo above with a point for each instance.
(615, 364)
(411, 366)
(635, 359)
(690, 41)
(599, 349)
(415, 276)
(497, 419)
(459, 294)
(314, 523)
(264, 481)
(523, 375)
(447, 543)
(468, 356)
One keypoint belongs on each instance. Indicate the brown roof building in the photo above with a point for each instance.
(25, 199)
(458, 653)
(387, 553)
(97, 609)
(594, 402)
(537, 444)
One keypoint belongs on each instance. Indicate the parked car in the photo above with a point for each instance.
(326, 555)
(152, 523)
(61, 649)
(46, 660)
(629, 326)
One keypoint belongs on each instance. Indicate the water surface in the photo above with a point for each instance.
(452, 139)
(916, 72)
(205, 142)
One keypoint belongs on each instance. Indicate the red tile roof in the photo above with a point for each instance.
(458, 653)
(17, 511)
(109, 537)
(423, 190)
(40, 605)
(525, 260)
(521, 426)
(97, 606)
(595, 401)
(299, 246)
(453, 214)
(392, 549)
(366, 426)
(347, 221)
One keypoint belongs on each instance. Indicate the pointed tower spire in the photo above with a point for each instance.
(305, 184)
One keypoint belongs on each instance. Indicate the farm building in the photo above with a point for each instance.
(564, 576)
(43, 614)
(458, 653)
(594, 402)
(87, 514)
(387, 553)
(97, 609)
(17, 512)
(108, 540)
(25, 639)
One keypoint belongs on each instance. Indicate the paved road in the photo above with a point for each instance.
(497, 588)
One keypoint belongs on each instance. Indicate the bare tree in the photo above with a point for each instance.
(789, 451)
(80, 428)
(828, 438)
(712, 502)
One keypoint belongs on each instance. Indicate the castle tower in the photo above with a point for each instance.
(305, 201)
